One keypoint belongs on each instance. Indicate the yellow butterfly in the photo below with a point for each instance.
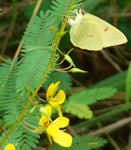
(92, 33)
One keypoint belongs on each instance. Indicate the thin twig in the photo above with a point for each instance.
(29, 124)
(114, 65)
(11, 27)
(73, 132)
(3, 48)
(63, 69)
(34, 13)
(111, 127)
(8, 10)
(120, 15)
(115, 14)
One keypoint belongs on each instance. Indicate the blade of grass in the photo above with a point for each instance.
(102, 117)
(128, 84)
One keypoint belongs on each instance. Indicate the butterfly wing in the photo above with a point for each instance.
(110, 35)
(92, 33)
(85, 35)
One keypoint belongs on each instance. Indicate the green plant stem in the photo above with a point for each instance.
(126, 147)
(3, 59)
(102, 117)
(98, 119)
(105, 110)
(57, 40)
(111, 140)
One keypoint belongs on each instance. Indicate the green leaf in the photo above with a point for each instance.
(29, 137)
(90, 96)
(30, 77)
(37, 50)
(78, 109)
(13, 138)
(77, 103)
(60, 7)
(8, 95)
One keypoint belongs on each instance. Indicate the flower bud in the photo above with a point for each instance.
(68, 58)
(32, 110)
(45, 112)
(77, 70)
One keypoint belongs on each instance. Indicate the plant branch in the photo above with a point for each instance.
(111, 127)
(57, 40)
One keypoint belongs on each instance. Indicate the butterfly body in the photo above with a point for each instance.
(92, 33)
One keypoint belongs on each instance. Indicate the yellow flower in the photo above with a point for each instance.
(44, 120)
(9, 147)
(53, 128)
(58, 135)
(55, 99)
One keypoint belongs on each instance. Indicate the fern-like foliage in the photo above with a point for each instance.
(14, 138)
(55, 76)
(8, 95)
(25, 74)
(28, 138)
(84, 143)
(90, 96)
(77, 103)
(37, 48)
(24, 131)
(79, 110)
(30, 72)
(11, 106)
(60, 7)
(22, 137)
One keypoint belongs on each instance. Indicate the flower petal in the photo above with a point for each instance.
(9, 147)
(53, 102)
(63, 139)
(49, 90)
(60, 97)
(52, 129)
(49, 109)
(59, 110)
(43, 121)
(52, 90)
(61, 122)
